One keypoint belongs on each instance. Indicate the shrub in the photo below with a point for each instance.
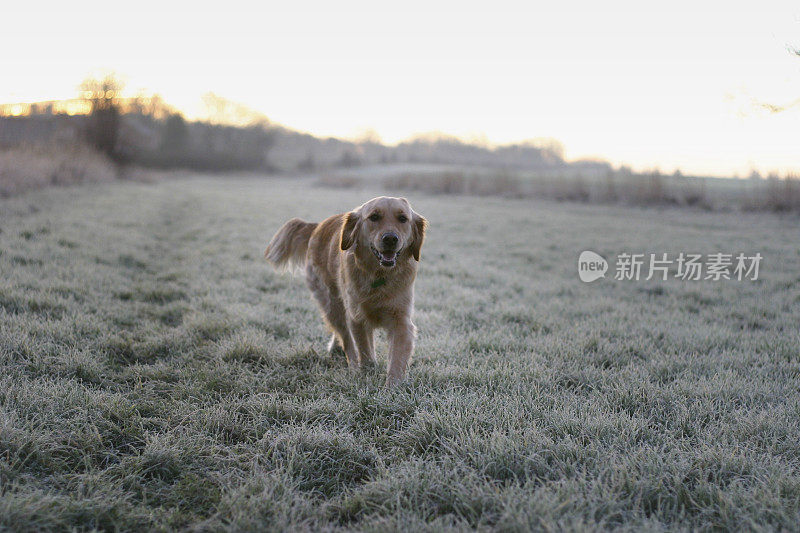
(31, 167)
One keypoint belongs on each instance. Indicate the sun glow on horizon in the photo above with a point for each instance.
(675, 86)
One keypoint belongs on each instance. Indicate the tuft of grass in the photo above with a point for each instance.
(320, 462)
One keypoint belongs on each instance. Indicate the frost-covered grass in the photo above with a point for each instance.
(619, 187)
(155, 373)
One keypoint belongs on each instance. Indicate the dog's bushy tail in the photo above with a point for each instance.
(288, 247)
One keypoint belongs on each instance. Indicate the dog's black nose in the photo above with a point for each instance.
(389, 239)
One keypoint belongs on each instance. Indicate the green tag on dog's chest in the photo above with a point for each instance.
(378, 282)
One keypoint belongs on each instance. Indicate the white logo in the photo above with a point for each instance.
(591, 266)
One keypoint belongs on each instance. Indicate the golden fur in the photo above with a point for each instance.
(359, 281)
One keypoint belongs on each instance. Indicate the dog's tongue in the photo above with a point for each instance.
(388, 258)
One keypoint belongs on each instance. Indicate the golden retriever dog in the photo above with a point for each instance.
(360, 267)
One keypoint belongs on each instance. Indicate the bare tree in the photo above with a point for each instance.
(775, 108)
(103, 124)
(221, 111)
(176, 134)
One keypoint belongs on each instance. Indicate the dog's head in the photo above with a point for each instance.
(386, 227)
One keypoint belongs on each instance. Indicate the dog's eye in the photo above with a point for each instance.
(403, 219)
(374, 217)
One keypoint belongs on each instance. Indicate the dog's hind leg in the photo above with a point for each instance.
(335, 348)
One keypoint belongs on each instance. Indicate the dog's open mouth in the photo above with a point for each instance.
(387, 258)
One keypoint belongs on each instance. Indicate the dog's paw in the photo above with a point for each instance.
(393, 381)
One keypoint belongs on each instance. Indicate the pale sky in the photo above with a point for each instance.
(667, 84)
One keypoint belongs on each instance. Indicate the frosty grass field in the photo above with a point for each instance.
(156, 373)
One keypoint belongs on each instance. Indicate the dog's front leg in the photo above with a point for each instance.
(401, 346)
(350, 350)
(362, 336)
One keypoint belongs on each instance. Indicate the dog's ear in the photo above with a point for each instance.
(348, 233)
(419, 224)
